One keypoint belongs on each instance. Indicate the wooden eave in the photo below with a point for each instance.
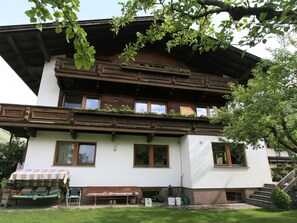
(26, 49)
(116, 73)
(25, 121)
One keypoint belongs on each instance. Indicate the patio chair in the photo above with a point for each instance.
(74, 193)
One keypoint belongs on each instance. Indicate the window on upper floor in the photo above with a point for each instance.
(151, 155)
(75, 153)
(149, 106)
(226, 155)
(81, 101)
(204, 111)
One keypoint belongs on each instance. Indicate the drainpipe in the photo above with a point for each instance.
(181, 169)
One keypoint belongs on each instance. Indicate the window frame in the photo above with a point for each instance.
(151, 156)
(228, 156)
(84, 97)
(75, 154)
(209, 110)
(149, 105)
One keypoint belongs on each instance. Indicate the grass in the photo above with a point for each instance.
(145, 215)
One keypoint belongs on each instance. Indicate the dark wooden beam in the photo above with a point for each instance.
(19, 56)
(73, 134)
(246, 74)
(150, 137)
(16, 50)
(43, 48)
(30, 132)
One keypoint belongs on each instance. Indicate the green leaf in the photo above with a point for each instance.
(58, 29)
(39, 27)
(262, 16)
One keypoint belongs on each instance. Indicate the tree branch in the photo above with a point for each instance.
(288, 133)
(281, 141)
(238, 12)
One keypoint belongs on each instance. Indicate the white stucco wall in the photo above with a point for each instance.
(190, 157)
(186, 163)
(272, 152)
(48, 94)
(112, 168)
(205, 175)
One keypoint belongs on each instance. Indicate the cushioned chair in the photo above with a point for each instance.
(74, 193)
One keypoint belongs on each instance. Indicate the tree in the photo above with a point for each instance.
(266, 108)
(10, 155)
(183, 22)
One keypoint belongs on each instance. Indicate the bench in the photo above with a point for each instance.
(112, 192)
(36, 193)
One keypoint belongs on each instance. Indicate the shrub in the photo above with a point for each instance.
(281, 199)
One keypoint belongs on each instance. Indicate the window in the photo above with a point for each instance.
(75, 153)
(201, 111)
(226, 155)
(205, 111)
(73, 101)
(81, 101)
(151, 156)
(234, 196)
(155, 107)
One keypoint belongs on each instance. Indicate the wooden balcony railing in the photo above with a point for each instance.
(33, 118)
(111, 72)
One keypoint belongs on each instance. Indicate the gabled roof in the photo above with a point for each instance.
(26, 49)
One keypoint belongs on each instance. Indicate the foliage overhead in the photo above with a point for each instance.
(266, 108)
(182, 21)
(185, 20)
(63, 15)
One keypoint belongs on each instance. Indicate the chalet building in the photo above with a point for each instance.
(144, 124)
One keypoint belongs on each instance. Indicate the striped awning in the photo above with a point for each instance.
(40, 174)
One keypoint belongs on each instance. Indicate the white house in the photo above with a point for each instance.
(130, 125)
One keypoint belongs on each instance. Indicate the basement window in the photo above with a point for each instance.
(234, 196)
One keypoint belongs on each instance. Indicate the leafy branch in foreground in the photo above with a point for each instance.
(63, 14)
(196, 22)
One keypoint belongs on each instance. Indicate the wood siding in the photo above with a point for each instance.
(117, 73)
(27, 120)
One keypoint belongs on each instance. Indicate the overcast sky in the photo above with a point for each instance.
(12, 88)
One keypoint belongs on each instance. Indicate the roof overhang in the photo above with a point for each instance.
(26, 49)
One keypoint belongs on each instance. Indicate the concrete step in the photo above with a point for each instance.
(261, 197)
(261, 203)
(263, 193)
(270, 186)
(267, 189)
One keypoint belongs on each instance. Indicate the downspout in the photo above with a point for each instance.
(181, 170)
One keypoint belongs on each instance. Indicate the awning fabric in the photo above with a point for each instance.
(40, 174)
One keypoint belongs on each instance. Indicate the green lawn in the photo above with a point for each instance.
(145, 215)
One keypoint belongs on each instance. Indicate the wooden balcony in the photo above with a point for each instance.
(25, 121)
(116, 73)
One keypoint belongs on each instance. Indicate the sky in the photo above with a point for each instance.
(12, 89)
